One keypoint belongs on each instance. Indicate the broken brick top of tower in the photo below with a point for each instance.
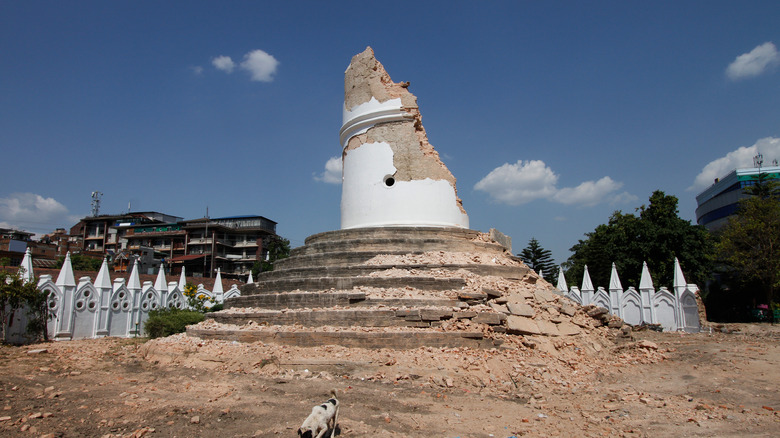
(392, 175)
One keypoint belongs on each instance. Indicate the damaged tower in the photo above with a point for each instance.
(404, 270)
(392, 175)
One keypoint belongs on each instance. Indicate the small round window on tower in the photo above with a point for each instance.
(389, 181)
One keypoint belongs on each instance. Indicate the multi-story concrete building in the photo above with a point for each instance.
(101, 234)
(231, 244)
(721, 199)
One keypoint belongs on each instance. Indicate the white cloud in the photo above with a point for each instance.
(260, 65)
(769, 147)
(197, 70)
(754, 63)
(523, 182)
(223, 63)
(622, 198)
(519, 183)
(332, 173)
(32, 211)
(588, 193)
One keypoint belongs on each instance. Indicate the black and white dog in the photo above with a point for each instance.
(319, 419)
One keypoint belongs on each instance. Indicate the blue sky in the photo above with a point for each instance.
(551, 115)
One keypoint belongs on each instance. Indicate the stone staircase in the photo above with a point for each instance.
(330, 291)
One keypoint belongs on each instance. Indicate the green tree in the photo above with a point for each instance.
(5, 261)
(81, 262)
(657, 235)
(278, 248)
(749, 246)
(17, 294)
(540, 260)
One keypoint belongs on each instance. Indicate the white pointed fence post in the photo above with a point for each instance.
(161, 286)
(646, 292)
(587, 288)
(217, 291)
(615, 293)
(26, 267)
(134, 287)
(66, 283)
(104, 289)
(562, 286)
(679, 286)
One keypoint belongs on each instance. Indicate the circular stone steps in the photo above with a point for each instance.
(299, 300)
(360, 317)
(342, 283)
(358, 338)
(314, 298)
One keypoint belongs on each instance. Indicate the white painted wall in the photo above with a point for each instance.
(367, 201)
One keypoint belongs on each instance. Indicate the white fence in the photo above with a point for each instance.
(87, 309)
(674, 310)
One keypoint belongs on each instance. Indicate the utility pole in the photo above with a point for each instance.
(205, 241)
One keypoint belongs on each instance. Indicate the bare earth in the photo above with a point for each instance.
(656, 384)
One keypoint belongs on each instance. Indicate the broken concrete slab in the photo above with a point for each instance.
(521, 308)
(567, 328)
(521, 325)
(500, 308)
(544, 295)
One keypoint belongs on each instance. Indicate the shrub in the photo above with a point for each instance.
(166, 322)
(197, 300)
(216, 308)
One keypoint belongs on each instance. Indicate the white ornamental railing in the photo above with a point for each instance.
(92, 309)
(675, 310)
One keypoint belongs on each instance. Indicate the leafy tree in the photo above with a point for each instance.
(81, 262)
(17, 294)
(278, 248)
(5, 261)
(657, 235)
(540, 260)
(749, 247)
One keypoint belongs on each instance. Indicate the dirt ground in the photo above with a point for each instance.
(654, 384)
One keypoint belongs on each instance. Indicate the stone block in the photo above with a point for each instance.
(543, 295)
(488, 318)
(435, 314)
(492, 293)
(548, 328)
(521, 325)
(468, 295)
(596, 312)
(566, 328)
(464, 314)
(568, 309)
(500, 308)
(521, 309)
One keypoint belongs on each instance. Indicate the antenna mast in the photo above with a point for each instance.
(96, 203)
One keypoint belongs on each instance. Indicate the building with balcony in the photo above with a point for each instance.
(201, 246)
(103, 234)
(721, 199)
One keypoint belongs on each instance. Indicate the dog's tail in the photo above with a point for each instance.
(333, 393)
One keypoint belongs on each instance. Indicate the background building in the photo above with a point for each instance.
(13, 244)
(721, 199)
(201, 246)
